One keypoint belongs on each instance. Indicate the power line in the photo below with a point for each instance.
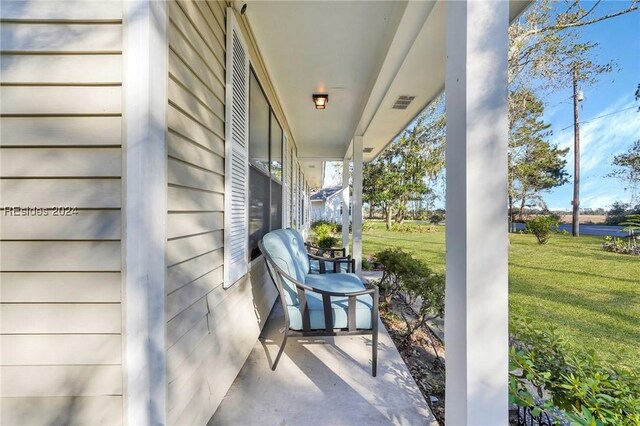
(598, 117)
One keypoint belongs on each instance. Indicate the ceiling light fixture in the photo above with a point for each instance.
(320, 101)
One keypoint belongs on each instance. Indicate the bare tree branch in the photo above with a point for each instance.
(575, 24)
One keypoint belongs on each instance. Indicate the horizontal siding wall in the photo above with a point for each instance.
(210, 330)
(60, 145)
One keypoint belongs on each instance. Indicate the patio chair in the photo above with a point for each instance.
(327, 259)
(330, 304)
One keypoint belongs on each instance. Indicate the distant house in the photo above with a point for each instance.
(326, 204)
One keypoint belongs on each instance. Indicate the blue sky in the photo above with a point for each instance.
(600, 138)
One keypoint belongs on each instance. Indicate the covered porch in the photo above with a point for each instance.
(381, 64)
(144, 307)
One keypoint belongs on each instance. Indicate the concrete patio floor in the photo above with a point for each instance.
(322, 381)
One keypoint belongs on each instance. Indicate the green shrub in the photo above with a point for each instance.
(324, 224)
(339, 227)
(367, 264)
(324, 230)
(541, 226)
(398, 264)
(413, 282)
(412, 228)
(436, 218)
(327, 241)
(367, 225)
(424, 293)
(588, 390)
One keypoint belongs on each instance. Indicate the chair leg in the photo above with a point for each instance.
(374, 338)
(374, 353)
(280, 351)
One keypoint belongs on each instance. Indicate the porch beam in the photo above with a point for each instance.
(145, 55)
(345, 203)
(356, 209)
(476, 323)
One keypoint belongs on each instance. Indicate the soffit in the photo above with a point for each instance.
(364, 54)
(420, 76)
(323, 47)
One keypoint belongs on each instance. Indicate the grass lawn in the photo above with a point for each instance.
(592, 297)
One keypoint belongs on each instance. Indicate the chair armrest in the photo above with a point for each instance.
(328, 259)
(351, 265)
(331, 251)
(301, 288)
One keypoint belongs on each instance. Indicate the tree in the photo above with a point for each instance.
(619, 211)
(534, 164)
(544, 44)
(546, 53)
(544, 50)
(627, 168)
(404, 170)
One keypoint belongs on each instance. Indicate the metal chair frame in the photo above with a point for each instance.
(351, 263)
(278, 276)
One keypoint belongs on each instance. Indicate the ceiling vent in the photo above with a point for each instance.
(403, 102)
(367, 150)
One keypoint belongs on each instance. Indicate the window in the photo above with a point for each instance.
(265, 167)
(276, 173)
(276, 149)
(259, 116)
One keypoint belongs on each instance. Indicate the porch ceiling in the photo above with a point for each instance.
(364, 54)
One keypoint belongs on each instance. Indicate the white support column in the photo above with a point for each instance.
(356, 210)
(345, 203)
(145, 51)
(476, 323)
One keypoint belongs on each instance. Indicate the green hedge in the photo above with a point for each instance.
(545, 374)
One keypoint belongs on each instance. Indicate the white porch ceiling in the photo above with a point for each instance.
(364, 54)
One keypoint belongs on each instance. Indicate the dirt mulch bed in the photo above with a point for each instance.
(423, 354)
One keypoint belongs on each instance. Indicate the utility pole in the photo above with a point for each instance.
(577, 97)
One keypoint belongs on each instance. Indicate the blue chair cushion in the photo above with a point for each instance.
(282, 246)
(339, 282)
(299, 249)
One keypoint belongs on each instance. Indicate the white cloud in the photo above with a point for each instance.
(600, 140)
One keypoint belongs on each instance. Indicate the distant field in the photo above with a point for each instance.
(592, 297)
(585, 218)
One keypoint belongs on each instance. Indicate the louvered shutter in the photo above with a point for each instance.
(236, 236)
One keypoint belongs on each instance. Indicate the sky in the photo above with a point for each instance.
(609, 117)
(613, 97)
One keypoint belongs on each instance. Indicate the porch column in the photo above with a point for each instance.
(345, 203)
(356, 209)
(145, 54)
(476, 323)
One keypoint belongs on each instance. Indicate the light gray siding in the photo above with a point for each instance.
(60, 137)
(210, 330)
